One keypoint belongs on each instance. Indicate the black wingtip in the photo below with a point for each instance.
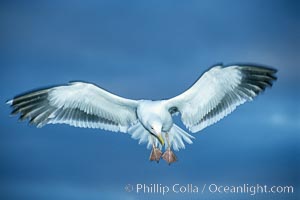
(264, 70)
(254, 65)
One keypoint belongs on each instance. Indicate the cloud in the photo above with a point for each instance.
(283, 119)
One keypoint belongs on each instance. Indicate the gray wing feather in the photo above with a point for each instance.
(218, 92)
(77, 104)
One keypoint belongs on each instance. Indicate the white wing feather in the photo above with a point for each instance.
(215, 94)
(78, 104)
(218, 92)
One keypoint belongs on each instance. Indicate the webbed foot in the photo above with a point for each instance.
(169, 156)
(155, 154)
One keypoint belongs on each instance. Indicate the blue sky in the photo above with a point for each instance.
(147, 50)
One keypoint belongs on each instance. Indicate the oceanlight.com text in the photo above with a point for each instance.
(248, 189)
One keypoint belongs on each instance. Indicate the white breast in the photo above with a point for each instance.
(149, 110)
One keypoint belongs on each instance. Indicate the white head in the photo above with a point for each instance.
(155, 128)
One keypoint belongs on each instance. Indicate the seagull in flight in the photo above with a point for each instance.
(214, 95)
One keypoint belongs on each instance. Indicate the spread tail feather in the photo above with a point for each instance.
(177, 137)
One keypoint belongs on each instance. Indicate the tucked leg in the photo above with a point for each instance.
(168, 155)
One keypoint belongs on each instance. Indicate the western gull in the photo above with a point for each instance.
(214, 95)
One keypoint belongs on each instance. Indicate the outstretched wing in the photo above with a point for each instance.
(218, 92)
(78, 104)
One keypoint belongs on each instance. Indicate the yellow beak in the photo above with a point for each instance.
(161, 140)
